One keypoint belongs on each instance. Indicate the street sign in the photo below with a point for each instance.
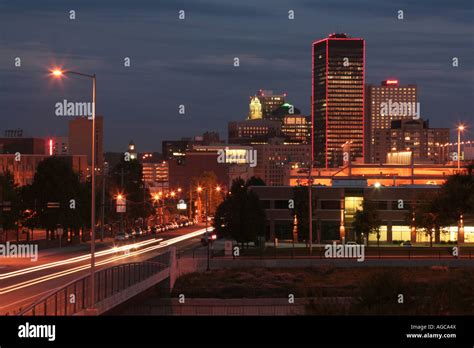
(182, 205)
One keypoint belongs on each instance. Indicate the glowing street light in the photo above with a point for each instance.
(58, 73)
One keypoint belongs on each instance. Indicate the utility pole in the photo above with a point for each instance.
(310, 207)
(207, 236)
(2, 231)
(144, 203)
(121, 190)
(190, 203)
(102, 213)
(93, 159)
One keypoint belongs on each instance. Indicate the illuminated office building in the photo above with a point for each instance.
(337, 98)
(296, 129)
(414, 136)
(385, 103)
(270, 102)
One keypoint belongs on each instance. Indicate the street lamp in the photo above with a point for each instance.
(58, 73)
(310, 207)
(460, 129)
(213, 237)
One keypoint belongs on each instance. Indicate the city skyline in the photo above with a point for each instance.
(142, 103)
(164, 160)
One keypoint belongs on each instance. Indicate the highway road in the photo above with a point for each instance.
(23, 281)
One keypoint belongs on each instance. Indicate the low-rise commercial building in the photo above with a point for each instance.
(334, 208)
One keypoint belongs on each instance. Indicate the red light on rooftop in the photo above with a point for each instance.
(391, 82)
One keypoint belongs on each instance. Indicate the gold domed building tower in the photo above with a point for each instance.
(255, 109)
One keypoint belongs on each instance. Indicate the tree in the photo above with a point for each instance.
(456, 197)
(9, 193)
(28, 215)
(255, 181)
(445, 207)
(240, 216)
(428, 216)
(208, 182)
(367, 221)
(56, 181)
(139, 203)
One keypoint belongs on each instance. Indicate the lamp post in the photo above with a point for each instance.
(200, 189)
(310, 207)
(460, 129)
(59, 73)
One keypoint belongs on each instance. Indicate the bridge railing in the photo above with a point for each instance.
(75, 297)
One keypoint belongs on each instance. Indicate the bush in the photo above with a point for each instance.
(378, 293)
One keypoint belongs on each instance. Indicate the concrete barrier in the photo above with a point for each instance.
(124, 295)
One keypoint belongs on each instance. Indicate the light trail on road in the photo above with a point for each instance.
(114, 250)
(76, 259)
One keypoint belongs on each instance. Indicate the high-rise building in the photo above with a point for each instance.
(337, 98)
(177, 149)
(286, 122)
(80, 138)
(296, 129)
(275, 158)
(155, 173)
(385, 103)
(253, 131)
(255, 109)
(413, 136)
(199, 159)
(269, 102)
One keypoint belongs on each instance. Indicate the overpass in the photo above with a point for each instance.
(113, 286)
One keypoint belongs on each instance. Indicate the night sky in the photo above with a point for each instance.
(190, 61)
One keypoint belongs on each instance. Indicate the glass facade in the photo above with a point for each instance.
(338, 99)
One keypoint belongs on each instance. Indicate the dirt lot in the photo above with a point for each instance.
(424, 290)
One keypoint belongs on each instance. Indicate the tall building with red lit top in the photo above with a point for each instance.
(338, 74)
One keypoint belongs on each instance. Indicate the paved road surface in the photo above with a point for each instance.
(22, 281)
